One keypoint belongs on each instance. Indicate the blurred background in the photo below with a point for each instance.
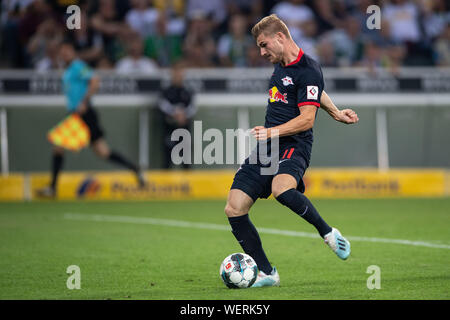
(216, 33)
(397, 77)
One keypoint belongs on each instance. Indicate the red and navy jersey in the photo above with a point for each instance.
(292, 86)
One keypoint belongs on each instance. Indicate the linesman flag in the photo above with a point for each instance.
(71, 133)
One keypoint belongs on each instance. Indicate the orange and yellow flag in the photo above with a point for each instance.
(71, 133)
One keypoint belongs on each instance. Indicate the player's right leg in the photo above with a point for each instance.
(238, 205)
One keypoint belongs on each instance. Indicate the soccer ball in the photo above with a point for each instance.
(238, 270)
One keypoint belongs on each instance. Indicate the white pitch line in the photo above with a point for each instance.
(212, 226)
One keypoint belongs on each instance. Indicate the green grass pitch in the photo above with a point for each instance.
(125, 258)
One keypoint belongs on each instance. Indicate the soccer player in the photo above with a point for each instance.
(295, 94)
(80, 84)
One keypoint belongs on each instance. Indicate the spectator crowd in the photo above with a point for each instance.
(141, 36)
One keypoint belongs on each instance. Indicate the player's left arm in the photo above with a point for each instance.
(347, 116)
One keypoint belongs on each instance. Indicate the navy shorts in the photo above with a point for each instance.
(293, 160)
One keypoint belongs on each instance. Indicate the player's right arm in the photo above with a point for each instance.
(347, 116)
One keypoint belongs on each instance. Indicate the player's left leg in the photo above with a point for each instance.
(102, 150)
(284, 189)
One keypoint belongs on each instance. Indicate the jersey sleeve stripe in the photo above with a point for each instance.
(301, 104)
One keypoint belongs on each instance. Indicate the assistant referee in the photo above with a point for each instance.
(80, 84)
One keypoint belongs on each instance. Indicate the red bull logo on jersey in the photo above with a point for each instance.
(275, 95)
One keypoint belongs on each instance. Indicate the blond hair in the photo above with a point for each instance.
(270, 25)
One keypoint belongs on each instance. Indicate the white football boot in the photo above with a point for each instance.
(267, 280)
(337, 243)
